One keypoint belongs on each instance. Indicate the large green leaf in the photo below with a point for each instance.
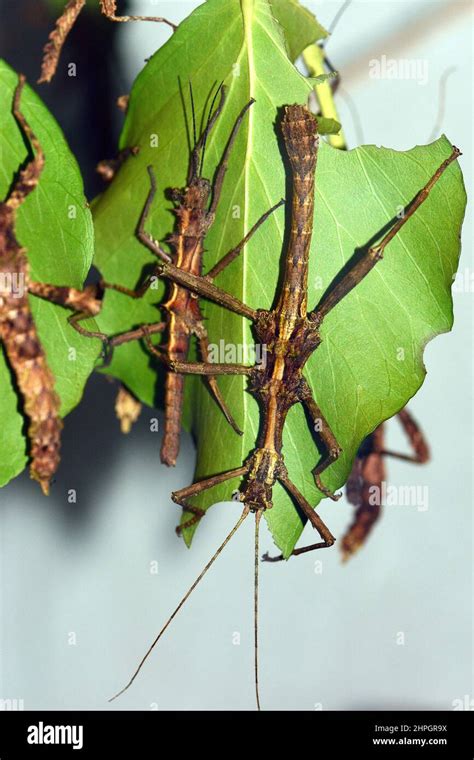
(357, 375)
(55, 226)
(298, 24)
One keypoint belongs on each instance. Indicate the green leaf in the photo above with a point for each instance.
(328, 126)
(55, 226)
(299, 26)
(356, 374)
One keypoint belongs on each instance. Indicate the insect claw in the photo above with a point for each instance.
(327, 492)
(267, 558)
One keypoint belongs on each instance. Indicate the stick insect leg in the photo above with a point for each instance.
(79, 316)
(232, 254)
(195, 368)
(108, 8)
(133, 293)
(328, 438)
(417, 441)
(126, 337)
(208, 369)
(148, 241)
(375, 253)
(182, 496)
(315, 520)
(138, 334)
(144, 236)
(212, 382)
(219, 179)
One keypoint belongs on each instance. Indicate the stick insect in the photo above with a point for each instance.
(291, 334)
(364, 486)
(52, 49)
(18, 332)
(195, 210)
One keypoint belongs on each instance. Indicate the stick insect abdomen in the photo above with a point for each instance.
(299, 130)
(178, 346)
(182, 306)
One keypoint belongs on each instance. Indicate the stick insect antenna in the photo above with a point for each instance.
(193, 113)
(208, 126)
(195, 166)
(183, 600)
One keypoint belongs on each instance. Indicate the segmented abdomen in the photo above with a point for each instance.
(178, 347)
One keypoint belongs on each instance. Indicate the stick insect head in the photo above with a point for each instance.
(195, 196)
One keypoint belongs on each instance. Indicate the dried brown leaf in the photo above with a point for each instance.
(52, 49)
(127, 409)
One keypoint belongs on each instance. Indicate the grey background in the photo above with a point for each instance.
(83, 570)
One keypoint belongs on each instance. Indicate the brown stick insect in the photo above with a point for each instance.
(195, 209)
(66, 21)
(18, 332)
(291, 334)
(364, 485)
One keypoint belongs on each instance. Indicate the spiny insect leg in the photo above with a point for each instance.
(208, 368)
(108, 8)
(328, 438)
(182, 496)
(203, 339)
(234, 252)
(219, 180)
(373, 254)
(144, 236)
(79, 316)
(416, 438)
(315, 520)
(140, 332)
(137, 334)
(132, 292)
